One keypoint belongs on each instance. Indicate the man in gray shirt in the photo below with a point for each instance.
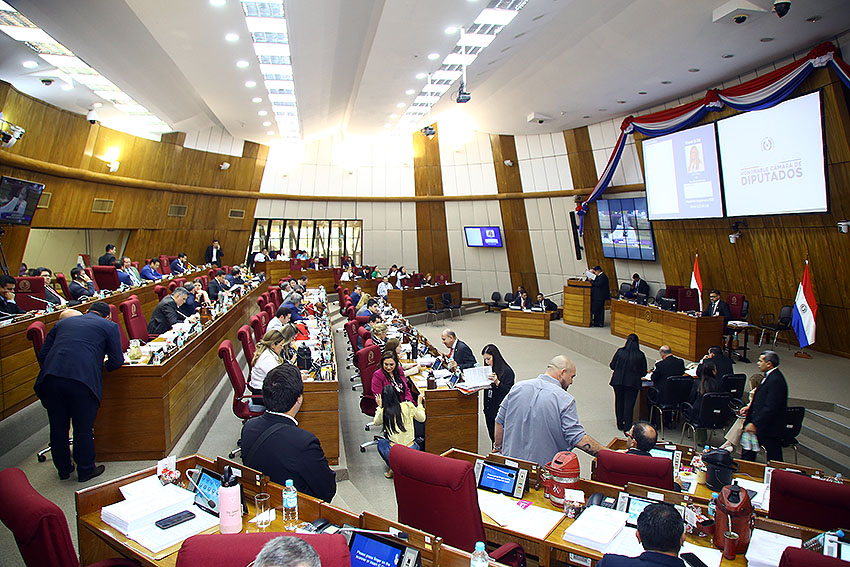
(538, 418)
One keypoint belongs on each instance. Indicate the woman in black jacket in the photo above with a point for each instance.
(503, 379)
(629, 366)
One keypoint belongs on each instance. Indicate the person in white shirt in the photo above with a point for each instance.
(281, 318)
(346, 276)
(384, 287)
(269, 355)
(262, 256)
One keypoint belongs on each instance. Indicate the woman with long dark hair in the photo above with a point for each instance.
(629, 366)
(397, 418)
(389, 373)
(502, 377)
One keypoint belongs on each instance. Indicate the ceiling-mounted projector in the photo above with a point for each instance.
(462, 95)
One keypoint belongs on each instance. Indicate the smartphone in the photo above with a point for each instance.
(692, 560)
(175, 519)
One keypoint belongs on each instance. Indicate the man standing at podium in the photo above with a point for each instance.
(600, 292)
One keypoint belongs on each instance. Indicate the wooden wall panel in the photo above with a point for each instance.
(583, 171)
(514, 215)
(432, 238)
(767, 262)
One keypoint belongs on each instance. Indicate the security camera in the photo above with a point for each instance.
(733, 238)
(540, 121)
(92, 116)
(508, 163)
(47, 82)
(224, 166)
(740, 18)
(781, 7)
(844, 227)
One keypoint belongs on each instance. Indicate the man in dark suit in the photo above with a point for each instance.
(600, 292)
(130, 269)
(217, 286)
(524, 301)
(7, 296)
(50, 293)
(274, 444)
(81, 284)
(766, 416)
(661, 531)
(179, 265)
(234, 277)
(717, 307)
(213, 254)
(107, 259)
(641, 438)
(167, 312)
(722, 363)
(70, 384)
(459, 352)
(638, 286)
(669, 365)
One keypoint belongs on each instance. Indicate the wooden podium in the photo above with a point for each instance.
(577, 303)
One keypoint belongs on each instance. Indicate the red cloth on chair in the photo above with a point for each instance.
(207, 550)
(622, 468)
(809, 502)
(796, 557)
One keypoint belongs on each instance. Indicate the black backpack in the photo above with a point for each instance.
(304, 357)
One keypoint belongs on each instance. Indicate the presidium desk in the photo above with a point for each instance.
(689, 337)
(411, 300)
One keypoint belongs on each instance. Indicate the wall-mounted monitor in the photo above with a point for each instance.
(626, 232)
(18, 199)
(773, 159)
(682, 176)
(483, 236)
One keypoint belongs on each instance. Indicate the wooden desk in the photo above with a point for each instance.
(577, 303)
(689, 337)
(411, 300)
(452, 420)
(18, 365)
(530, 324)
(319, 414)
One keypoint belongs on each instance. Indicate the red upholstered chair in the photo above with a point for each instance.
(736, 305)
(125, 341)
(106, 277)
(205, 281)
(362, 319)
(688, 299)
(240, 549)
(796, 557)
(261, 301)
(36, 333)
(161, 291)
(350, 313)
(172, 285)
(337, 274)
(39, 526)
(180, 281)
(295, 268)
(258, 327)
(277, 297)
(264, 319)
(164, 265)
(29, 293)
(365, 335)
(324, 262)
(267, 296)
(673, 291)
(351, 332)
(241, 400)
(808, 502)
(211, 274)
(437, 495)
(269, 310)
(90, 273)
(135, 265)
(63, 284)
(621, 468)
(134, 320)
(245, 336)
(441, 279)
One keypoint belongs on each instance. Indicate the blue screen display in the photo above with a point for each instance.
(483, 236)
(497, 478)
(209, 488)
(372, 552)
(625, 229)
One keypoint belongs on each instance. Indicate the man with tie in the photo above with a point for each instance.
(81, 284)
(717, 307)
(50, 293)
(638, 286)
(218, 286)
(167, 312)
(600, 292)
(213, 254)
(460, 355)
(130, 270)
(766, 416)
(150, 271)
(179, 265)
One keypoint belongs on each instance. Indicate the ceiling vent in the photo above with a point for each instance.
(236, 213)
(102, 205)
(177, 210)
(44, 200)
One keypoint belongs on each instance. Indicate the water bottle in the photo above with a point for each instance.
(712, 505)
(479, 556)
(706, 449)
(290, 506)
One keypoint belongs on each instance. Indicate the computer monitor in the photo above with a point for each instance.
(641, 298)
(668, 304)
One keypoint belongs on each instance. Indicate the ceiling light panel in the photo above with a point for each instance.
(495, 17)
(458, 59)
(267, 23)
(135, 118)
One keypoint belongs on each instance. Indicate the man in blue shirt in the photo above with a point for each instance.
(150, 271)
(294, 304)
(123, 276)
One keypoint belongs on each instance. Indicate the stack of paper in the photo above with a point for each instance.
(519, 516)
(156, 539)
(476, 378)
(596, 527)
(766, 548)
(426, 360)
(759, 488)
(136, 513)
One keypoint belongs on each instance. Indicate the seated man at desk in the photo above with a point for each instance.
(287, 551)
(130, 269)
(717, 307)
(523, 300)
(355, 295)
(287, 451)
(167, 312)
(668, 366)
(7, 296)
(459, 352)
(81, 284)
(384, 287)
(150, 271)
(637, 286)
(538, 418)
(217, 286)
(722, 363)
(281, 318)
(294, 306)
(661, 531)
(235, 276)
(180, 263)
(50, 293)
(641, 438)
(123, 277)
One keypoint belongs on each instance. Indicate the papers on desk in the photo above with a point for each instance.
(596, 527)
(441, 373)
(766, 548)
(156, 539)
(426, 360)
(139, 512)
(626, 543)
(760, 500)
(519, 516)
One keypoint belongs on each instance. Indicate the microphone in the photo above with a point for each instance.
(40, 299)
(210, 501)
(391, 532)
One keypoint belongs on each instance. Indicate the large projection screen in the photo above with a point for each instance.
(773, 159)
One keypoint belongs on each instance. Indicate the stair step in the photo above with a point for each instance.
(843, 411)
(831, 420)
(827, 457)
(826, 438)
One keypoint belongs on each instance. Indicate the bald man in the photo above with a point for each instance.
(538, 418)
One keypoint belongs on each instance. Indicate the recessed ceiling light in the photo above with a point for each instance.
(267, 123)
(400, 105)
(621, 102)
(641, 92)
(270, 132)
(421, 75)
(766, 39)
(30, 64)
(67, 87)
(602, 109)
(450, 30)
(218, 3)
(393, 115)
(262, 113)
(693, 70)
(96, 104)
(586, 116)
(433, 56)
(666, 82)
(256, 99)
(814, 19)
(728, 55)
(519, 35)
(231, 37)
(409, 92)
(242, 64)
(388, 125)
(250, 84)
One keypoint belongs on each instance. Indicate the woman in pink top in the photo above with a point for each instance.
(390, 373)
